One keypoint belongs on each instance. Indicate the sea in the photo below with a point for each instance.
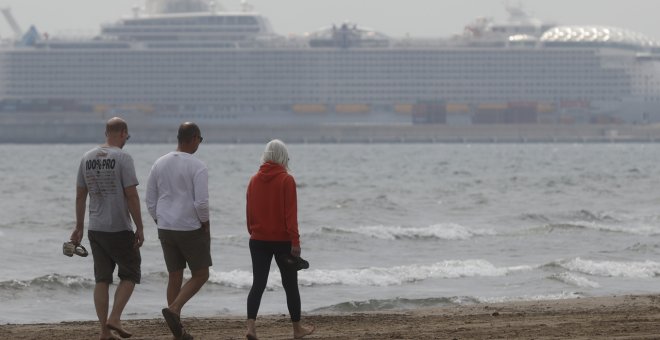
(385, 227)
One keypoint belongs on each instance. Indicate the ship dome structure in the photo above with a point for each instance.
(597, 36)
(348, 35)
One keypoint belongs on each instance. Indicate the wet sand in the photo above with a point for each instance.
(617, 317)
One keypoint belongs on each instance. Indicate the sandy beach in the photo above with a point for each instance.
(617, 317)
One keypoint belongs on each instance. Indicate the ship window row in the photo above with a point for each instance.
(301, 71)
(174, 98)
(250, 79)
(302, 57)
(361, 95)
(193, 87)
(218, 96)
(217, 20)
(265, 92)
(296, 73)
(167, 30)
(288, 67)
(98, 61)
(260, 101)
(247, 81)
(284, 73)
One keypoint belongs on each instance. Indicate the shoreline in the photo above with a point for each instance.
(27, 133)
(612, 317)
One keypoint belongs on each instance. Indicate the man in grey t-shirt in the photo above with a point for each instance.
(107, 175)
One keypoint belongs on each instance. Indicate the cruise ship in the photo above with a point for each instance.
(177, 60)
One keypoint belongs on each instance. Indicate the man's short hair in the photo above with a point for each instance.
(187, 132)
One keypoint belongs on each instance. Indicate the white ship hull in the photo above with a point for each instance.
(230, 69)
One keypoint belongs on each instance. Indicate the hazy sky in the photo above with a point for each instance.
(393, 17)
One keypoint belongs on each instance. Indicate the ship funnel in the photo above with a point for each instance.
(136, 12)
(246, 7)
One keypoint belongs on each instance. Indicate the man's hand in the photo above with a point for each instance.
(76, 235)
(139, 238)
(206, 226)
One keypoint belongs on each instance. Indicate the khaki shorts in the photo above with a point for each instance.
(181, 247)
(115, 249)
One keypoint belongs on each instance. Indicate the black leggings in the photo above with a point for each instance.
(262, 254)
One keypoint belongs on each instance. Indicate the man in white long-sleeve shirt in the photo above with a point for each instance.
(178, 201)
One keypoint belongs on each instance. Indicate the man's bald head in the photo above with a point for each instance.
(115, 125)
(187, 132)
(116, 132)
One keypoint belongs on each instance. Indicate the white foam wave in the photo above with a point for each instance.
(374, 276)
(646, 269)
(543, 297)
(240, 278)
(51, 280)
(635, 229)
(443, 231)
(575, 280)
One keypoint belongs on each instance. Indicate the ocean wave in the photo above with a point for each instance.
(586, 215)
(575, 280)
(373, 276)
(408, 304)
(395, 304)
(535, 217)
(639, 229)
(643, 248)
(646, 269)
(51, 281)
(541, 297)
(444, 231)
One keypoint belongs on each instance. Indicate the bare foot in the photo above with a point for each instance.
(251, 330)
(109, 337)
(300, 331)
(106, 334)
(117, 328)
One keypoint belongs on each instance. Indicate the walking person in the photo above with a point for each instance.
(272, 222)
(107, 174)
(178, 201)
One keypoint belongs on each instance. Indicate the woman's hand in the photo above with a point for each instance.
(295, 251)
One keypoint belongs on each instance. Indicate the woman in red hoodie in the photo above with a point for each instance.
(272, 221)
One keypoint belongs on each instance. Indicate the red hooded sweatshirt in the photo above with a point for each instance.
(272, 208)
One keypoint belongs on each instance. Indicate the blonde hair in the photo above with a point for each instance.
(276, 152)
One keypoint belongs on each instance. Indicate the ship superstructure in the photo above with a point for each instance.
(191, 59)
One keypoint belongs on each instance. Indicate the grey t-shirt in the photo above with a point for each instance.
(105, 172)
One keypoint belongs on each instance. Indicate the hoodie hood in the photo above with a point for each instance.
(269, 170)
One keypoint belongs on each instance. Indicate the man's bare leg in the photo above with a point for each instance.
(122, 295)
(189, 289)
(101, 301)
(174, 285)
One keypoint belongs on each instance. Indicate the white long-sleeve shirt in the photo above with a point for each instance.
(178, 192)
